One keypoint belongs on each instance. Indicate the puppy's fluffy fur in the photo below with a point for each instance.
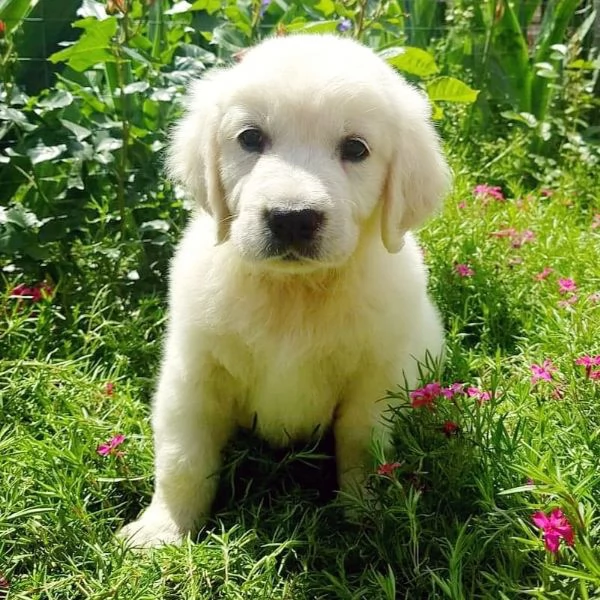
(292, 343)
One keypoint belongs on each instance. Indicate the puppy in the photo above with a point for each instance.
(297, 294)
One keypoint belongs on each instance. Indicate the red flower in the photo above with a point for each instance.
(426, 395)
(450, 428)
(555, 527)
(109, 388)
(2, 28)
(388, 469)
(110, 446)
(41, 291)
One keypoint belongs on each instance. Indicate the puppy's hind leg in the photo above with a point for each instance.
(192, 424)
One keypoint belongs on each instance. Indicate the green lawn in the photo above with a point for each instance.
(452, 520)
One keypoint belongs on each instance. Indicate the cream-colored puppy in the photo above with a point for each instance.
(297, 295)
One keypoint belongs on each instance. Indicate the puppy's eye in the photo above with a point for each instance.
(252, 140)
(354, 150)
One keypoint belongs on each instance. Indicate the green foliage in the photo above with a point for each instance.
(85, 208)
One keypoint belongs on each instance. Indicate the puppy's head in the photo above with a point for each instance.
(296, 147)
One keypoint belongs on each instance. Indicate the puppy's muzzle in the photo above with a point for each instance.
(293, 233)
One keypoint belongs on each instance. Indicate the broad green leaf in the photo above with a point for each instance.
(210, 6)
(449, 89)
(12, 12)
(136, 87)
(411, 60)
(325, 7)
(522, 117)
(109, 144)
(92, 47)
(78, 131)
(19, 216)
(60, 99)
(41, 153)
(316, 27)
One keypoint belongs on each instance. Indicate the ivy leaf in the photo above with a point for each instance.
(43, 153)
(78, 131)
(449, 89)
(92, 47)
(411, 60)
(60, 99)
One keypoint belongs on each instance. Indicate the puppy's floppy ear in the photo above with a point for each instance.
(418, 175)
(193, 155)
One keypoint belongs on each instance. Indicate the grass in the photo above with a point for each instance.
(452, 521)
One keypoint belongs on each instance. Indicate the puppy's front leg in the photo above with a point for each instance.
(359, 424)
(191, 423)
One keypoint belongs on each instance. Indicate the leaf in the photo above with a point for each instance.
(91, 8)
(109, 144)
(43, 153)
(19, 216)
(60, 99)
(78, 131)
(325, 7)
(92, 47)
(17, 117)
(449, 89)
(136, 87)
(179, 7)
(317, 27)
(12, 12)
(411, 60)
(522, 117)
(157, 225)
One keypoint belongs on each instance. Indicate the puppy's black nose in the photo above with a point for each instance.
(294, 227)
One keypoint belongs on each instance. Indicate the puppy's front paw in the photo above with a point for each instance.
(154, 528)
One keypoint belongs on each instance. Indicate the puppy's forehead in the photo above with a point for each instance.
(311, 76)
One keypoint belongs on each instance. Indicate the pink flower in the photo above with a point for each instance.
(479, 395)
(464, 270)
(109, 388)
(544, 274)
(546, 193)
(596, 221)
(388, 469)
(566, 285)
(426, 395)
(521, 238)
(595, 375)
(555, 527)
(568, 302)
(543, 371)
(462, 204)
(110, 446)
(594, 297)
(588, 361)
(487, 191)
(35, 293)
(450, 428)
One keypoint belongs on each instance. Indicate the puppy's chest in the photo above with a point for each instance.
(288, 390)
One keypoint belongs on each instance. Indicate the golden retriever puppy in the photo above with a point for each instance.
(297, 294)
